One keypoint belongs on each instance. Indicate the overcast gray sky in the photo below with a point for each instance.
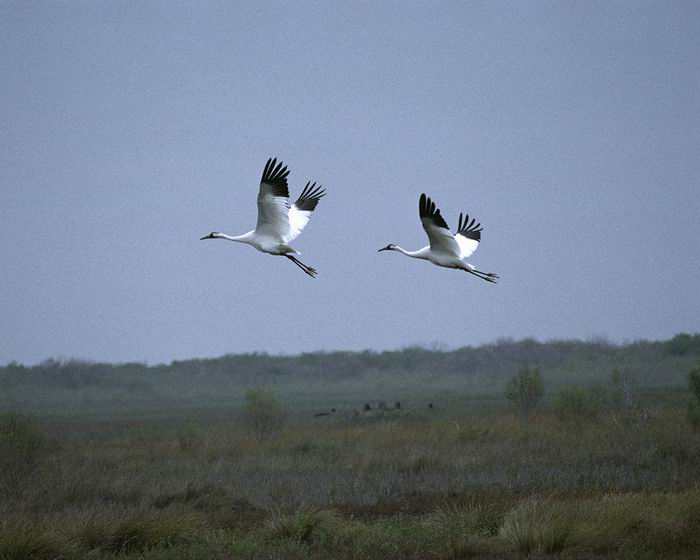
(128, 130)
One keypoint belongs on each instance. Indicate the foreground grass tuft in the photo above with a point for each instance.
(538, 526)
(459, 529)
(305, 526)
(138, 531)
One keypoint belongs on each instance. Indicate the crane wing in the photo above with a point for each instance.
(468, 236)
(440, 236)
(273, 203)
(301, 210)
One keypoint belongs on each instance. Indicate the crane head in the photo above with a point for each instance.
(212, 235)
(390, 247)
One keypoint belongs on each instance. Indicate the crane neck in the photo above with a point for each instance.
(420, 254)
(245, 238)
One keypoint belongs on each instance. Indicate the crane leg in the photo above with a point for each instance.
(489, 274)
(307, 269)
(479, 275)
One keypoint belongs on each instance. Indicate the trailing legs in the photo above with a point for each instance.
(307, 269)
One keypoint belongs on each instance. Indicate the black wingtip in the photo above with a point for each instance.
(423, 205)
(469, 229)
(309, 197)
(428, 209)
(275, 174)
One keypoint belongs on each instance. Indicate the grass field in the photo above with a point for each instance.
(465, 479)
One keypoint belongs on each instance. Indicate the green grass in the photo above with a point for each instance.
(21, 539)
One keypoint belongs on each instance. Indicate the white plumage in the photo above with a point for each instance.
(278, 222)
(446, 249)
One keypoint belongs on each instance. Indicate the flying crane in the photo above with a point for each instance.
(446, 249)
(278, 222)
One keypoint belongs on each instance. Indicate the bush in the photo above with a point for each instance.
(683, 344)
(575, 402)
(263, 413)
(190, 438)
(621, 389)
(525, 390)
(22, 448)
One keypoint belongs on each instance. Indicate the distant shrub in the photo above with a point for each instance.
(622, 389)
(694, 404)
(694, 382)
(683, 344)
(263, 413)
(22, 448)
(190, 438)
(525, 390)
(574, 402)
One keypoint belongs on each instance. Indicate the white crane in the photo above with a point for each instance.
(446, 249)
(278, 223)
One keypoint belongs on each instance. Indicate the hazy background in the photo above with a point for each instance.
(131, 129)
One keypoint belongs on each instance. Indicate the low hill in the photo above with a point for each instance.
(410, 372)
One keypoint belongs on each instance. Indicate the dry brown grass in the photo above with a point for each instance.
(407, 485)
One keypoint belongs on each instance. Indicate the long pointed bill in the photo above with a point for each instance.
(206, 237)
(383, 249)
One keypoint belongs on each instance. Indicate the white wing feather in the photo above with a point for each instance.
(466, 246)
(300, 212)
(440, 236)
(297, 222)
(273, 204)
(273, 216)
(462, 244)
(468, 236)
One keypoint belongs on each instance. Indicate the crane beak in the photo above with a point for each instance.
(205, 237)
(383, 249)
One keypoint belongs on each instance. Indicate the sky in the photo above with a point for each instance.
(570, 130)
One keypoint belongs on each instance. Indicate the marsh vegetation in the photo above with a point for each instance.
(607, 465)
